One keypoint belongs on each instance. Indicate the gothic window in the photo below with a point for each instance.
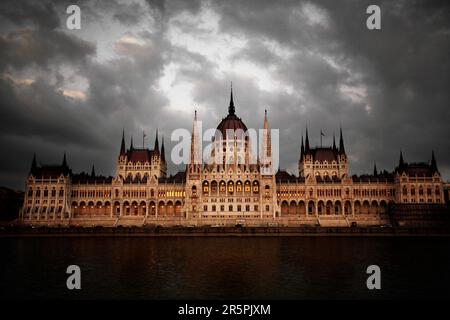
(222, 186)
(247, 186)
(230, 187)
(214, 187)
(205, 187)
(239, 186)
(255, 187)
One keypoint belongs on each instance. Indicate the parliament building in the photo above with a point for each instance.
(237, 191)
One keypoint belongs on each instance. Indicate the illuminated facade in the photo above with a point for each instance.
(238, 190)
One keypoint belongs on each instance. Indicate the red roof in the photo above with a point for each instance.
(231, 122)
(324, 154)
(140, 155)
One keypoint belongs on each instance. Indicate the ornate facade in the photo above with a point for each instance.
(238, 190)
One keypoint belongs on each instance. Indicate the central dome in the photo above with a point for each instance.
(231, 121)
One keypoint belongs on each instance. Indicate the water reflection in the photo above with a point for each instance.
(225, 267)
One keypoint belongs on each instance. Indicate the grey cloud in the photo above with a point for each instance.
(25, 47)
(404, 70)
(39, 13)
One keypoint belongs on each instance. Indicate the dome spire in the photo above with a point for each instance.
(231, 108)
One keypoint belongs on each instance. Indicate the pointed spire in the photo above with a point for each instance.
(375, 172)
(307, 141)
(194, 156)
(156, 147)
(334, 142)
(341, 142)
(302, 150)
(122, 144)
(93, 170)
(266, 121)
(433, 162)
(163, 156)
(64, 163)
(267, 137)
(231, 109)
(33, 164)
(401, 162)
(131, 143)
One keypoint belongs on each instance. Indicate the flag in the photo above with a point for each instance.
(322, 134)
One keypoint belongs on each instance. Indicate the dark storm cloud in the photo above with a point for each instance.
(41, 48)
(39, 13)
(404, 68)
(128, 13)
(388, 88)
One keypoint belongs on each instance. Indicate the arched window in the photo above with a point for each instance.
(247, 186)
(255, 186)
(214, 187)
(222, 187)
(239, 186)
(194, 190)
(205, 187)
(230, 187)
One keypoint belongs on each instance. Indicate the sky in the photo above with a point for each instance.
(142, 65)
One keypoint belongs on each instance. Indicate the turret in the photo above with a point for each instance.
(341, 142)
(64, 162)
(401, 162)
(33, 164)
(302, 151)
(231, 109)
(163, 154)
(307, 142)
(93, 170)
(334, 142)
(122, 144)
(434, 167)
(156, 147)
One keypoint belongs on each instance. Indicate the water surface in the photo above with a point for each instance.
(225, 267)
